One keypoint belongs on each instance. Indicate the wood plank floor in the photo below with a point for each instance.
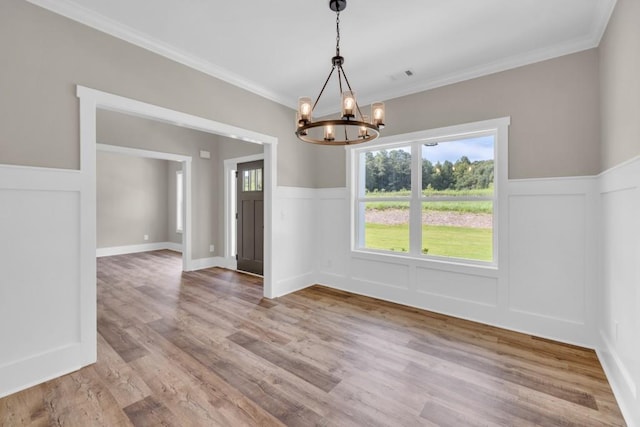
(205, 349)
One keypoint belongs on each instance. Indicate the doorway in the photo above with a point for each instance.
(90, 101)
(250, 217)
(185, 207)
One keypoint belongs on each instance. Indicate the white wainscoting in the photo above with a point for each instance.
(571, 248)
(294, 231)
(619, 277)
(544, 284)
(552, 261)
(45, 330)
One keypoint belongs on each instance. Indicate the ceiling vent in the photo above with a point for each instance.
(401, 75)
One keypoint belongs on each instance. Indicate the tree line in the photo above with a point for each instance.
(391, 171)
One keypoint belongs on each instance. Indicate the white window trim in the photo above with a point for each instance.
(355, 172)
(179, 201)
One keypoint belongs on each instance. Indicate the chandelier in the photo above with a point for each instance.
(352, 127)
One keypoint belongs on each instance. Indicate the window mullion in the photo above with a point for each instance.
(415, 212)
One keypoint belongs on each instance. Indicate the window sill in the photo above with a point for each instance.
(443, 264)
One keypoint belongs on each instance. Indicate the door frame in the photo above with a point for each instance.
(90, 101)
(249, 228)
(230, 207)
(185, 161)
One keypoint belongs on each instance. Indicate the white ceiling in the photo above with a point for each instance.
(282, 49)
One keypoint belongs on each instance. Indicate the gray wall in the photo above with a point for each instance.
(553, 104)
(43, 56)
(554, 113)
(207, 174)
(620, 85)
(131, 200)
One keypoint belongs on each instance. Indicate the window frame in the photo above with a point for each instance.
(498, 128)
(179, 201)
(254, 180)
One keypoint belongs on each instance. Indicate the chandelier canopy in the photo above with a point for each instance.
(352, 127)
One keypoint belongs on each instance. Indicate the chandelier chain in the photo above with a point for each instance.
(337, 33)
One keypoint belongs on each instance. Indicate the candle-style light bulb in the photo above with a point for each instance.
(363, 131)
(305, 109)
(328, 133)
(377, 112)
(348, 104)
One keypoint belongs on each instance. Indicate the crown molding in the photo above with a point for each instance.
(101, 23)
(515, 61)
(605, 10)
(590, 41)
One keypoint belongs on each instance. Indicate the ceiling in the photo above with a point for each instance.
(282, 49)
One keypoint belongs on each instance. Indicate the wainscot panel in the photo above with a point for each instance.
(547, 269)
(382, 273)
(468, 288)
(44, 329)
(294, 258)
(619, 323)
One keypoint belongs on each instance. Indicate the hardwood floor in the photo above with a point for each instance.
(205, 349)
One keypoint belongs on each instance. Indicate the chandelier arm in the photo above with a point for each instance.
(349, 86)
(340, 72)
(323, 87)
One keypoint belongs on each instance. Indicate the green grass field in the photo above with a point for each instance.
(439, 240)
(457, 242)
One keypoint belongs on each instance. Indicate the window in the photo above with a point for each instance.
(252, 180)
(433, 195)
(179, 201)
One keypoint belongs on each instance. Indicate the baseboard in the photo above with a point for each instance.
(621, 382)
(202, 263)
(132, 249)
(293, 284)
(173, 246)
(231, 263)
(34, 370)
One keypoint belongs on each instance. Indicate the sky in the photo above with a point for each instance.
(478, 148)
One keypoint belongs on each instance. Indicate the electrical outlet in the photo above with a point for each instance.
(146, 237)
(211, 248)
